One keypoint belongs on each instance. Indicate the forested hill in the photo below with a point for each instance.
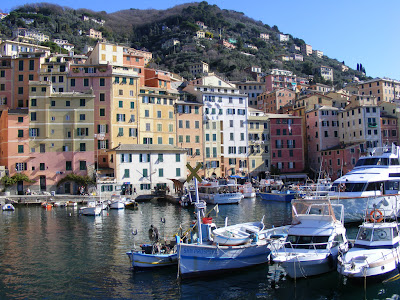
(150, 29)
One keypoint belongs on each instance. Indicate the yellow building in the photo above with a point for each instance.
(157, 120)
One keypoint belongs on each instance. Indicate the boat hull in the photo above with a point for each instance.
(298, 267)
(354, 207)
(228, 198)
(199, 260)
(117, 205)
(143, 260)
(8, 207)
(91, 211)
(284, 197)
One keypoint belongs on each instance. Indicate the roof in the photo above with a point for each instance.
(148, 148)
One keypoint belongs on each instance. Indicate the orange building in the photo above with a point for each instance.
(157, 78)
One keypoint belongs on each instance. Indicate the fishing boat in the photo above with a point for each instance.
(315, 239)
(158, 254)
(375, 255)
(153, 255)
(46, 205)
(221, 191)
(92, 209)
(202, 256)
(237, 234)
(374, 181)
(284, 195)
(117, 202)
(131, 204)
(247, 190)
(72, 204)
(8, 207)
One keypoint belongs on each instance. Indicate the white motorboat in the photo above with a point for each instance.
(247, 190)
(117, 202)
(376, 251)
(72, 204)
(238, 234)
(202, 256)
(220, 191)
(8, 207)
(374, 181)
(314, 239)
(92, 209)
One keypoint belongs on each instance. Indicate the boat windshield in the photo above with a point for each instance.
(377, 234)
(372, 161)
(349, 187)
(306, 242)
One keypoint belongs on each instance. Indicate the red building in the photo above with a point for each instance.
(287, 151)
(389, 130)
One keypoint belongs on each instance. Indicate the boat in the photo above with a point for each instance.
(46, 205)
(8, 207)
(372, 182)
(157, 254)
(131, 204)
(315, 239)
(92, 209)
(285, 195)
(117, 202)
(375, 255)
(72, 204)
(202, 256)
(221, 191)
(237, 234)
(247, 190)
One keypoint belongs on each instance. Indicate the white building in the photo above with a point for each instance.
(282, 37)
(224, 125)
(13, 48)
(144, 167)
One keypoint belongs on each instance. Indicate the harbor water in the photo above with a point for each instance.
(59, 254)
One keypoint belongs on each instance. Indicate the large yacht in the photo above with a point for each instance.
(374, 182)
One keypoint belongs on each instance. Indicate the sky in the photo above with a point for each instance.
(353, 31)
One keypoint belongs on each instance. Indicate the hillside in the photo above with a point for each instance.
(149, 29)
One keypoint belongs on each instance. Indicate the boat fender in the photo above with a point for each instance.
(376, 216)
(254, 237)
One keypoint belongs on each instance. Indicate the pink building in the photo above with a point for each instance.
(287, 153)
(322, 130)
(340, 159)
(389, 130)
(6, 82)
(273, 102)
(14, 143)
(273, 82)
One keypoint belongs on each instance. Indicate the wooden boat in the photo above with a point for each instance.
(46, 205)
(153, 255)
(238, 234)
(275, 195)
(131, 204)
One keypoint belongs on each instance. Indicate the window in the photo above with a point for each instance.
(145, 173)
(102, 97)
(20, 148)
(102, 112)
(82, 102)
(21, 65)
(82, 165)
(82, 147)
(178, 172)
(86, 82)
(102, 82)
(160, 172)
(126, 173)
(20, 133)
(178, 157)
(68, 165)
(42, 167)
(33, 116)
(72, 82)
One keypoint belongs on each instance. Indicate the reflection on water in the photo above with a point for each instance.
(60, 254)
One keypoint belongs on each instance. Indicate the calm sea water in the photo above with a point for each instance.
(59, 254)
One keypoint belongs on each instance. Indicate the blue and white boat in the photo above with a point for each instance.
(376, 251)
(275, 195)
(152, 256)
(203, 256)
(8, 207)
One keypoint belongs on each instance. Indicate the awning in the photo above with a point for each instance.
(239, 177)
